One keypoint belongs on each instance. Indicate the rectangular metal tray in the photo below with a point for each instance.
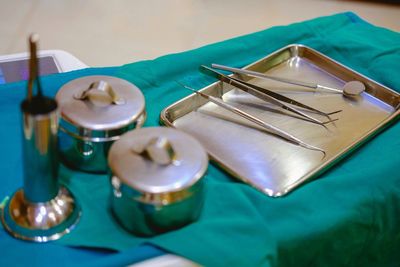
(267, 162)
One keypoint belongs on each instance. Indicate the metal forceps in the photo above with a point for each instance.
(269, 127)
(269, 96)
(287, 99)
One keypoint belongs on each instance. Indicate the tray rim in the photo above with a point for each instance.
(320, 169)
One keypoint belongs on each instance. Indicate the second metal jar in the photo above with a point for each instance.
(95, 111)
(156, 180)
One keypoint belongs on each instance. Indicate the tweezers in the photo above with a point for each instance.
(267, 95)
(269, 127)
(286, 99)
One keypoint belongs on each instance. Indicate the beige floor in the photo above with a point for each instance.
(105, 33)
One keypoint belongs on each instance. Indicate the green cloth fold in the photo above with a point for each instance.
(349, 216)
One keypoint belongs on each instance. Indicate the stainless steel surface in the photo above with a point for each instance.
(159, 150)
(40, 125)
(269, 127)
(40, 160)
(142, 173)
(42, 210)
(146, 215)
(352, 88)
(259, 94)
(271, 165)
(96, 111)
(103, 87)
(283, 98)
(41, 221)
(151, 195)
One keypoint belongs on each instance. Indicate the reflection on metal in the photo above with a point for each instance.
(40, 155)
(43, 210)
(269, 127)
(260, 94)
(270, 164)
(352, 88)
(159, 150)
(40, 221)
(95, 111)
(101, 86)
(157, 180)
(286, 99)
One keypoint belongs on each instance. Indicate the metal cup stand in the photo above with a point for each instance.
(42, 210)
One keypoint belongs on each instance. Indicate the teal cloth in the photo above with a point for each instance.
(349, 216)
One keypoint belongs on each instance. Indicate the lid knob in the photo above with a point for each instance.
(103, 87)
(158, 150)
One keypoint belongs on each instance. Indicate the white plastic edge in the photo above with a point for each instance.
(64, 60)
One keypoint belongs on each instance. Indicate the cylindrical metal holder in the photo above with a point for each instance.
(95, 111)
(42, 210)
(157, 180)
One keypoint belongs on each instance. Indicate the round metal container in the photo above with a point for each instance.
(96, 111)
(156, 180)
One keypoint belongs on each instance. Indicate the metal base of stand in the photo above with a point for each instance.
(41, 222)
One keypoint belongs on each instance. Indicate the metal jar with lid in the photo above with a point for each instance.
(96, 111)
(156, 180)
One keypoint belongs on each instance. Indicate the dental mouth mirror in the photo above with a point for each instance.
(269, 127)
(350, 89)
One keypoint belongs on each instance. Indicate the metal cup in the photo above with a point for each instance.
(156, 180)
(42, 210)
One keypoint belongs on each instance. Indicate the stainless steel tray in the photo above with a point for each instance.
(267, 162)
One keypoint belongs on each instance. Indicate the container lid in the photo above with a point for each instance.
(158, 160)
(100, 102)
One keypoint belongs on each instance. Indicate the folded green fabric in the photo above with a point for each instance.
(349, 216)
